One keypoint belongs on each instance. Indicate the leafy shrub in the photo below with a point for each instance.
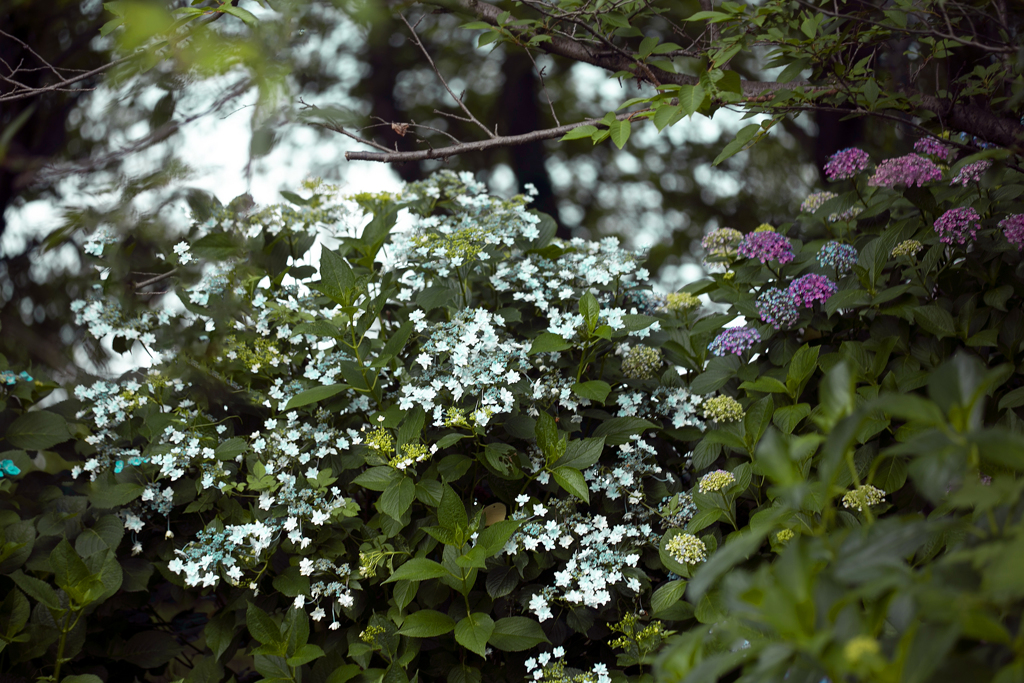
(414, 436)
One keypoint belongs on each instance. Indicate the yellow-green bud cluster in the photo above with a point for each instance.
(369, 635)
(765, 227)
(716, 481)
(907, 248)
(863, 497)
(455, 417)
(262, 352)
(465, 243)
(687, 549)
(412, 453)
(381, 440)
(723, 409)
(785, 535)
(645, 639)
(679, 302)
(641, 362)
(860, 647)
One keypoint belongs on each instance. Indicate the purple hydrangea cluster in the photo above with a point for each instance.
(909, 170)
(958, 225)
(846, 163)
(810, 288)
(838, 256)
(777, 308)
(971, 173)
(734, 340)
(934, 147)
(1013, 228)
(766, 246)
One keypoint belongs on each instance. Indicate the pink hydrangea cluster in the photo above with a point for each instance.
(766, 246)
(958, 225)
(777, 308)
(734, 340)
(971, 173)
(934, 147)
(808, 289)
(910, 170)
(846, 163)
(1013, 228)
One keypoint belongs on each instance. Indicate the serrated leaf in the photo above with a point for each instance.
(745, 135)
(668, 595)
(37, 430)
(618, 430)
(515, 634)
(314, 395)
(595, 390)
(572, 481)
(620, 131)
(547, 342)
(580, 132)
(473, 631)
(418, 569)
(427, 623)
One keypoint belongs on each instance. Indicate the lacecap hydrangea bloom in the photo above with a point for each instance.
(716, 481)
(971, 173)
(910, 170)
(766, 246)
(933, 147)
(811, 288)
(1013, 228)
(907, 248)
(846, 163)
(734, 340)
(958, 225)
(777, 308)
(863, 497)
(641, 362)
(815, 200)
(687, 549)
(838, 256)
(723, 409)
(722, 242)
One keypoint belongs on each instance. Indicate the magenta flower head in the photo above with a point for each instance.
(734, 340)
(837, 255)
(766, 246)
(958, 225)
(933, 147)
(810, 288)
(971, 173)
(909, 170)
(846, 163)
(1013, 228)
(777, 308)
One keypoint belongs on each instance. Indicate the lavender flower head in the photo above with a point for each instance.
(766, 246)
(909, 170)
(846, 163)
(812, 287)
(722, 242)
(1013, 228)
(933, 147)
(958, 225)
(777, 308)
(734, 340)
(971, 173)
(838, 256)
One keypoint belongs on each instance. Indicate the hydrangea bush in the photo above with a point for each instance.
(412, 436)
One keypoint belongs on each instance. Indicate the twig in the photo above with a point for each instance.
(153, 280)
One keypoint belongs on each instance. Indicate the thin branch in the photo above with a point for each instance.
(153, 280)
(543, 87)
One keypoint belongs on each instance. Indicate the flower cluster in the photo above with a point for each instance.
(958, 225)
(641, 362)
(907, 248)
(716, 481)
(677, 510)
(674, 403)
(910, 170)
(766, 246)
(735, 340)
(1013, 228)
(8, 467)
(785, 535)
(723, 409)
(637, 460)
(9, 378)
(777, 308)
(811, 288)
(548, 667)
(722, 243)
(838, 256)
(98, 240)
(678, 302)
(815, 201)
(863, 497)
(971, 173)
(935, 148)
(686, 549)
(846, 163)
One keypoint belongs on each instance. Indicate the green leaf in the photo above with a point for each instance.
(14, 613)
(41, 591)
(618, 430)
(572, 481)
(305, 654)
(786, 418)
(451, 512)
(427, 623)
(582, 453)
(595, 390)
(551, 443)
(745, 135)
(647, 46)
(515, 634)
(262, 627)
(397, 498)
(936, 320)
(590, 309)
(620, 131)
(314, 395)
(666, 115)
(336, 277)
(580, 132)
(667, 595)
(68, 568)
(418, 569)
(690, 98)
(37, 431)
(82, 678)
(113, 496)
(871, 91)
(547, 342)
(150, 649)
(473, 631)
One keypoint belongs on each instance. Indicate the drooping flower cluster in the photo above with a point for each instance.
(723, 409)
(735, 340)
(811, 288)
(1013, 228)
(766, 246)
(777, 308)
(933, 147)
(846, 163)
(687, 549)
(641, 362)
(909, 170)
(958, 225)
(722, 243)
(907, 248)
(716, 481)
(971, 173)
(841, 257)
(863, 497)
